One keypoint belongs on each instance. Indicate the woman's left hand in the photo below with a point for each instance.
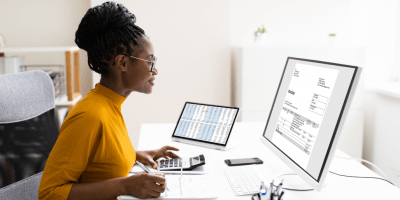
(149, 157)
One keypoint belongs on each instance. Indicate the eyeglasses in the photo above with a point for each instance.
(153, 62)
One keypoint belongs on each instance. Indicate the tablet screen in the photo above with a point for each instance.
(206, 123)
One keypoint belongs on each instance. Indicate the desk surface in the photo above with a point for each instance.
(245, 142)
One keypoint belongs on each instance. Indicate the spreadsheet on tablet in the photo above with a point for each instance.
(206, 122)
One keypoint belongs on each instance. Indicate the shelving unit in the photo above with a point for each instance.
(72, 71)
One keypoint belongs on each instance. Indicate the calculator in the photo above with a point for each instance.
(184, 163)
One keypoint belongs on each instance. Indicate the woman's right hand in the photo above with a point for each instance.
(144, 185)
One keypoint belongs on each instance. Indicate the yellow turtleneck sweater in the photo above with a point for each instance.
(93, 145)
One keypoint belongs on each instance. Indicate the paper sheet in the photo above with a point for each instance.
(189, 187)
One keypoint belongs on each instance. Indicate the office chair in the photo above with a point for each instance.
(28, 132)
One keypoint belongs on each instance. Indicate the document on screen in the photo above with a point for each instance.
(303, 111)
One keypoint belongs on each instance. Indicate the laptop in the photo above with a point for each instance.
(205, 125)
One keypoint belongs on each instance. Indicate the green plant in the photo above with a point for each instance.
(261, 30)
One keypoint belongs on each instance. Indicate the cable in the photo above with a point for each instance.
(291, 189)
(358, 159)
(298, 190)
(366, 161)
(361, 177)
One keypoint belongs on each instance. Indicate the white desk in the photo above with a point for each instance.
(153, 136)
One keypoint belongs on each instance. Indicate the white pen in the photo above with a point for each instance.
(280, 187)
(147, 170)
(263, 191)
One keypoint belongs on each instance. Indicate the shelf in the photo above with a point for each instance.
(72, 70)
(38, 49)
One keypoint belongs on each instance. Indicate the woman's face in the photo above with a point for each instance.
(138, 76)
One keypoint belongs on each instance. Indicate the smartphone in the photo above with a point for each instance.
(243, 161)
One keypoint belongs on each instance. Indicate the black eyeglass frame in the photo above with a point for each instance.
(153, 62)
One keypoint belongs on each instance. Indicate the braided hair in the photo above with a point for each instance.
(105, 30)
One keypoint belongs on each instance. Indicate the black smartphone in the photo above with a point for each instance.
(243, 161)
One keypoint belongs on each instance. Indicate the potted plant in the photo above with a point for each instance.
(260, 36)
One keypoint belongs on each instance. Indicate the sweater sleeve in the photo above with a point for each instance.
(76, 144)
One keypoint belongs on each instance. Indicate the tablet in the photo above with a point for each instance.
(205, 125)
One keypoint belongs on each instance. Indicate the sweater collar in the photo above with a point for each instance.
(110, 94)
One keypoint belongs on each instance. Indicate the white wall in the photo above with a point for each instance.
(290, 22)
(44, 23)
(383, 134)
(191, 42)
(366, 23)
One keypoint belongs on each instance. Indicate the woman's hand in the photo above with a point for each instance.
(144, 186)
(149, 157)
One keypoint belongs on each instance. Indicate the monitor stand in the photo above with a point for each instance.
(290, 180)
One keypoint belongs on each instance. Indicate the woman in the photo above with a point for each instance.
(93, 153)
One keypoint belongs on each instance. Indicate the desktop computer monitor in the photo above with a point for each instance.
(307, 115)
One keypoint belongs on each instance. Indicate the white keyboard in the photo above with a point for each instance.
(243, 179)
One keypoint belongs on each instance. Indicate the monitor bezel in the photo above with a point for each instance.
(316, 184)
(202, 141)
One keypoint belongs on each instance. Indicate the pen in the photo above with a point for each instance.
(262, 185)
(270, 192)
(280, 187)
(146, 170)
(275, 195)
(263, 191)
(280, 196)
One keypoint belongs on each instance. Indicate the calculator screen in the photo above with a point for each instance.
(195, 160)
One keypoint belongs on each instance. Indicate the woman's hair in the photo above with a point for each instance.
(104, 28)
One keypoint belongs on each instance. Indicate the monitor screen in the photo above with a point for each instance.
(206, 123)
(306, 112)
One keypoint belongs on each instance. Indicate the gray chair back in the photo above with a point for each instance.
(28, 131)
(26, 189)
(25, 95)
